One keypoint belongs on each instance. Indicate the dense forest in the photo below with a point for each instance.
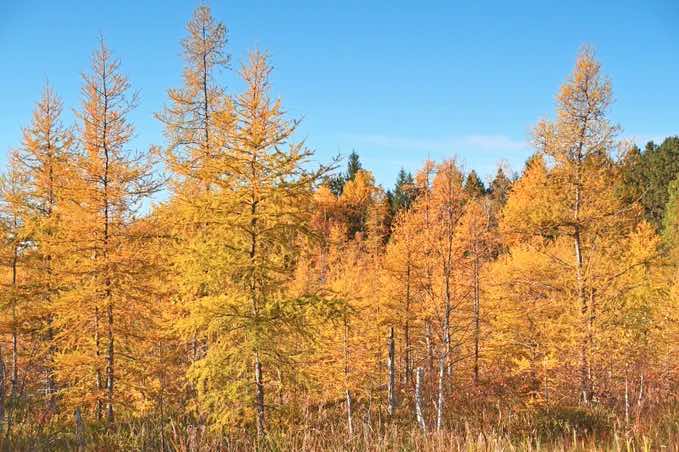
(268, 302)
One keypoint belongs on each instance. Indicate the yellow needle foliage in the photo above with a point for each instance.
(263, 296)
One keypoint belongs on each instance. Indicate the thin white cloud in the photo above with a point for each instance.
(477, 142)
(641, 139)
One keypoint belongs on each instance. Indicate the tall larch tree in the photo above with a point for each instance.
(13, 275)
(194, 129)
(107, 308)
(45, 160)
(476, 240)
(190, 119)
(448, 201)
(572, 196)
(254, 326)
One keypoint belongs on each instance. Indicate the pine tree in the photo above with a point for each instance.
(353, 166)
(474, 187)
(499, 187)
(403, 194)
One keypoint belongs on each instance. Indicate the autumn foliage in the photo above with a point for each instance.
(269, 295)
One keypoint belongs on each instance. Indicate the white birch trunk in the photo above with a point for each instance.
(419, 382)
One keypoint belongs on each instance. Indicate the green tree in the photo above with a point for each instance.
(671, 217)
(337, 181)
(353, 166)
(473, 185)
(499, 187)
(403, 194)
(647, 175)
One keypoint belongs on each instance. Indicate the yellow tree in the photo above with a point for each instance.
(191, 118)
(45, 161)
(108, 305)
(13, 274)
(477, 241)
(448, 199)
(194, 121)
(264, 205)
(404, 273)
(569, 194)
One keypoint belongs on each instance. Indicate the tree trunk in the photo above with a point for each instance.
(477, 318)
(79, 430)
(419, 381)
(350, 422)
(97, 343)
(408, 374)
(259, 397)
(391, 365)
(640, 399)
(441, 392)
(15, 351)
(580, 282)
(2, 392)
(626, 400)
(430, 347)
(109, 366)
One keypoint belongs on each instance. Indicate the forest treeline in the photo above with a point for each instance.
(269, 294)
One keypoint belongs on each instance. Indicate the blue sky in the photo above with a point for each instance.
(397, 81)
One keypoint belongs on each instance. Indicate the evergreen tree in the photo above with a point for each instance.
(473, 185)
(648, 174)
(403, 194)
(499, 187)
(336, 183)
(353, 166)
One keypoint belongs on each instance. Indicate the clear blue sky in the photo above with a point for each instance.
(398, 81)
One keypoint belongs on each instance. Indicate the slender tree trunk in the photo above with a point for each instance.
(350, 413)
(446, 317)
(430, 347)
(97, 344)
(419, 413)
(107, 211)
(15, 350)
(51, 384)
(391, 365)
(109, 366)
(79, 430)
(441, 392)
(545, 380)
(2, 392)
(259, 397)
(626, 400)
(280, 387)
(350, 423)
(580, 283)
(640, 399)
(408, 374)
(477, 317)
(591, 381)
